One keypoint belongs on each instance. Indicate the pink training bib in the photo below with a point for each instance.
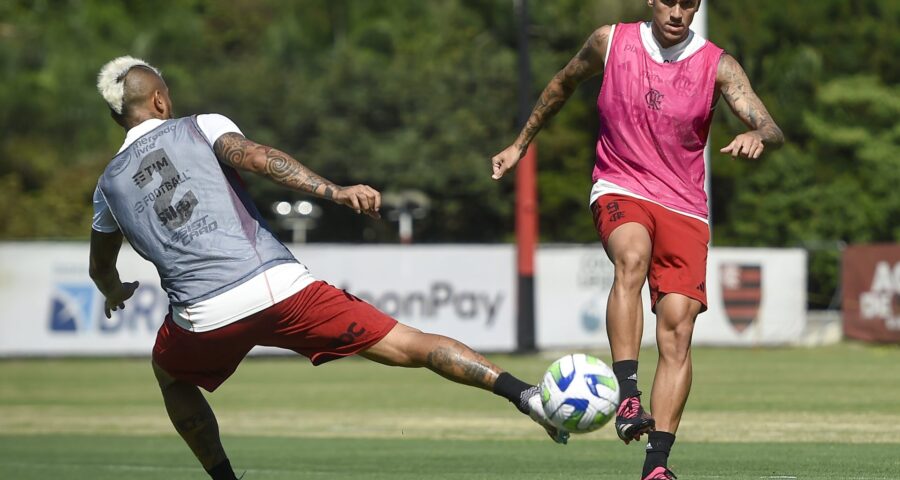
(654, 122)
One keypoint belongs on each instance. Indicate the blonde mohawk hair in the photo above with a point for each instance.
(111, 80)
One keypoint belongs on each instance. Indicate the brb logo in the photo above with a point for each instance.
(882, 301)
(77, 308)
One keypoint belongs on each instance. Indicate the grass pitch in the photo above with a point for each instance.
(825, 413)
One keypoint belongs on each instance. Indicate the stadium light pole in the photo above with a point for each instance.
(526, 196)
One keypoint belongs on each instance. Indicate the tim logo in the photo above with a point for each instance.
(741, 293)
(77, 308)
(654, 99)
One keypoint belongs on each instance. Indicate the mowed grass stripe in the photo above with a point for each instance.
(846, 393)
(268, 458)
(736, 427)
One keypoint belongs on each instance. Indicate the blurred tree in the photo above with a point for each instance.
(411, 94)
(843, 188)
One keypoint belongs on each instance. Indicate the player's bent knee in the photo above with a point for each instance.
(631, 269)
(632, 261)
(682, 333)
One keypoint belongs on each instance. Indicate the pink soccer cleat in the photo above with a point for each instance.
(632, 420)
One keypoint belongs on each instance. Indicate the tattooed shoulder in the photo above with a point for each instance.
(601, 38)
(233, 149)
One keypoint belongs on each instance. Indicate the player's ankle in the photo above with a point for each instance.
(659, 444)
(626, 375)
(222, 471)
(512, 389)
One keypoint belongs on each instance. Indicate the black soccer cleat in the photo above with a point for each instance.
(632, 420)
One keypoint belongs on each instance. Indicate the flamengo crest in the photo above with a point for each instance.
(741, 293)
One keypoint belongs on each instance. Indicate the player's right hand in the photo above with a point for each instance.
(361, 198)
(505, 161)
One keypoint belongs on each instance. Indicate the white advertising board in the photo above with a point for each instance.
(464, 292)
(49, 306)
(756, 297)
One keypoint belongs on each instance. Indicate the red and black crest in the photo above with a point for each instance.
(741, 293)
(654, 99)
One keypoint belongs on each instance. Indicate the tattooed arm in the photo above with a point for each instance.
(735, 87)
(587, 63)
(237, 151)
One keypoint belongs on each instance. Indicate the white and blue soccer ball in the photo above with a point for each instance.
(579, 393)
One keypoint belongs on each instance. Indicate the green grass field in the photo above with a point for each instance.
(825, 413)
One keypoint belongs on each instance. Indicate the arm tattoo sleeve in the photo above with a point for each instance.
(736, 89)
(235, 150)
(587, 63)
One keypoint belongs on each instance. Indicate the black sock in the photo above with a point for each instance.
(659, 445)
(222, 471)
(514, 390)
(626, 374)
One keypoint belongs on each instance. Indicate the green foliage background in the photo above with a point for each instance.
(419, 94)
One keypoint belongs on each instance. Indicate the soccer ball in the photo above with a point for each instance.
(580, 393)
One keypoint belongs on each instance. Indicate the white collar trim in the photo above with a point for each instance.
(139, 131)
(675, 53)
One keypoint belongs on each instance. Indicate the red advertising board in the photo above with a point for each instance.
(871, 299)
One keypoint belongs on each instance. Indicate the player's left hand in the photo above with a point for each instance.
(748, 145)
(116, 300)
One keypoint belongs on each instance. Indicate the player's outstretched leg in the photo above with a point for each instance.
(195, 422)
(405, 346)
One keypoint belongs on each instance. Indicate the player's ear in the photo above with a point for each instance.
(161, 103)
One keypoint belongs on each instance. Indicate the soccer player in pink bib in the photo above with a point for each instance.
(661, 82)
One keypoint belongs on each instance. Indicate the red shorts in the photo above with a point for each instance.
(680, 244)
(320, 322)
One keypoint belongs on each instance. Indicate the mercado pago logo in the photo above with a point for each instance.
(439, 299)
(882, 301)
(77, 308)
